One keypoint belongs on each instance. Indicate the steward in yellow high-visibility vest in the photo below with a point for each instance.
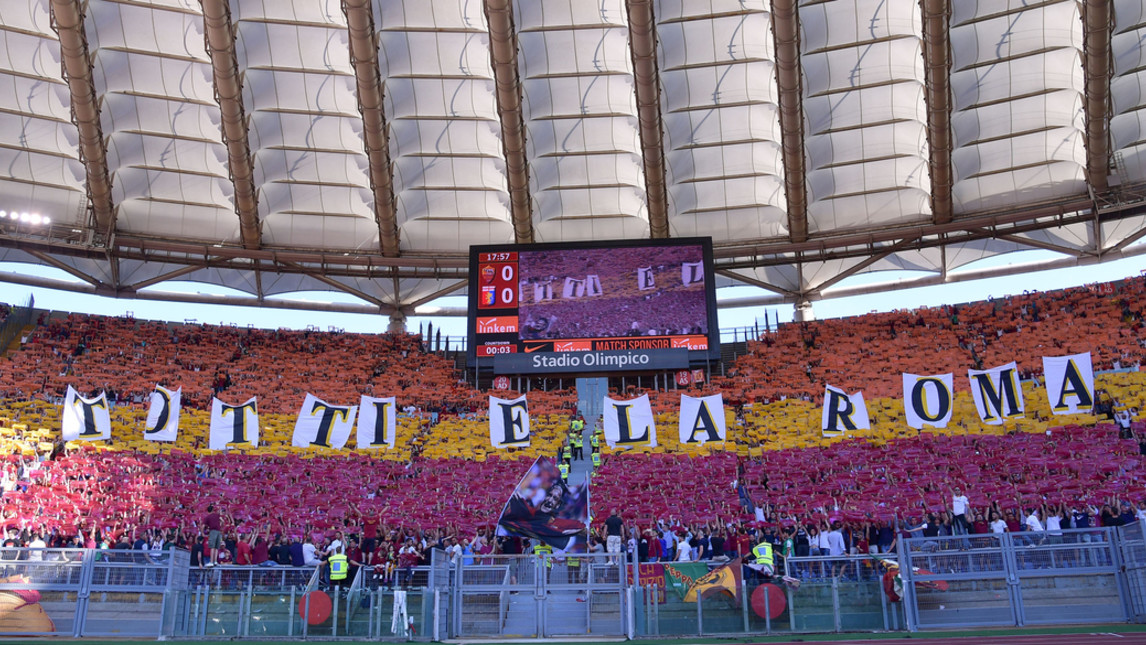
(564, 468)
(762, 553)
(544, 549)
(339, 567)
(595, 442)
(578, 444)
(596, 460)
(567, 453)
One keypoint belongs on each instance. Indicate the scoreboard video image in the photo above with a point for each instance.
(611, 296)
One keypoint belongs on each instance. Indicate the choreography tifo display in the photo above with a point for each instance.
(927, 401)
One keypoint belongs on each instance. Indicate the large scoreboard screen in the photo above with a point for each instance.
(622, 305)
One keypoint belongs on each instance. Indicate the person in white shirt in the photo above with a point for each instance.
(36, 543)
(683, 550)
(998, 526)
(1034, 525)
(1054, 523)
(959, 503)
(309, 556)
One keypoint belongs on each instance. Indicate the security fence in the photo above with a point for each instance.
(1068, 576)
(78, 592)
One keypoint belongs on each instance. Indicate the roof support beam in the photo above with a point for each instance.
(1096, 53)
(786, 26)
(364, 57)
(756, 283)
(68, 17)
(445, 291)
(937, 70)
(643, 45)
(331, 282)
(849, 272)
(51, 261)
(229, 92)
(503, 53)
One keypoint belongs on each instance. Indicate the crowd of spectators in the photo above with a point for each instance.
(675, 506)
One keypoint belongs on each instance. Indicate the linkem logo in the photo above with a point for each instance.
(497, 325)
(690, 342)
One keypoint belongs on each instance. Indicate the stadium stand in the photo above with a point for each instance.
(775, 471)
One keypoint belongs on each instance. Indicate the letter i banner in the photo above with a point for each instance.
(508, 422)
(1069, 383)
(85, 419)
(163, 414)
(234, 426)
(629, 423)
(322, 425)
(377, 422)
(843, 412)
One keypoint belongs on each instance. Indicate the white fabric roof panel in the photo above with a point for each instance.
(153, 78)
(719, 103)
(294, 57)
(869, 168)
(1006, 61)
(446, 153)
(1127, 91)
(576, 72)
(1017, 123)
(39, 146)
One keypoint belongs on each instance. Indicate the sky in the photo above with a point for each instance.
(455, 326)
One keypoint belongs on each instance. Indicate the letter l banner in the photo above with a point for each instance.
(629, 423)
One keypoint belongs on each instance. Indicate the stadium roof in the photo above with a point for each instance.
(276, 146)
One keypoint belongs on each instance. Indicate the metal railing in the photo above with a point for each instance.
(248, 577)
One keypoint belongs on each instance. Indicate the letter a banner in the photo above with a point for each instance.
(997, 393)
(321, 425)
(1070, 383)
(85, 419)
(702, 419)
(377, 422)
(163, 414)
(508, 422)
(629, 423)
(843, 412)
(928, 400)
(234, 426)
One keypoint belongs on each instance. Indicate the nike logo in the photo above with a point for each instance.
(530, 350)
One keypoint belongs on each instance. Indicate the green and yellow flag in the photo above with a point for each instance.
(726, 579)
(681, 576)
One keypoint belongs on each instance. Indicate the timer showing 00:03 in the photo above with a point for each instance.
(491, 350)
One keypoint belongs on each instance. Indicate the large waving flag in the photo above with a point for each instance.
(85, 419)
(543, 507)
(163, 414)
(681, 576)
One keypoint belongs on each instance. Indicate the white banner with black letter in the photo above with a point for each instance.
(1070, 383)
(702, 419)
(163, 414)
(843, 412)
(377, 422)
(322, 425)
(508, 422)
(928, 400)
(997, 393)
(233, 426)
(85, 419)
(629, 423)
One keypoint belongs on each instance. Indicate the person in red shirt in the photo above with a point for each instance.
(243, 549)
(355, 557)
(369, 534)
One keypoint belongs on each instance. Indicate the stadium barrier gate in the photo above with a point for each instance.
(1020, 579)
